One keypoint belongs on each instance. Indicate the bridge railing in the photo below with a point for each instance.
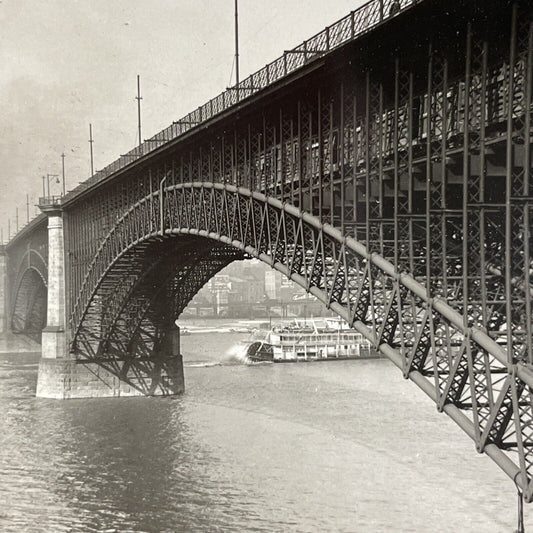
(346, 29)
(50, 200)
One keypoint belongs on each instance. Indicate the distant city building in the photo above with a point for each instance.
(253, 289)
(272, 283)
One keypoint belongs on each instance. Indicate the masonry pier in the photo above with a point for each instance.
(68, 378)
(54, 345)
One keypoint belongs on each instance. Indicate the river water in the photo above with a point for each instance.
(332, 446)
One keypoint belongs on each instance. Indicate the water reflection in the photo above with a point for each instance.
(117, 460)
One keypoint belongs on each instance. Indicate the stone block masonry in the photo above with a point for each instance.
(70, 378)
(53, 337)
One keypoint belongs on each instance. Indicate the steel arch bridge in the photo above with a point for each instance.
(388, 175)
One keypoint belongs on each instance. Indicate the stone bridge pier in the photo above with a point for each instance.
(63, 374)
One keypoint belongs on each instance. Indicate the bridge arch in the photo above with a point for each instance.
(424, 336)
(190, 231)
(28, 315)
(29, 294)
(128, 313)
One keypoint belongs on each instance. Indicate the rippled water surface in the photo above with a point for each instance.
(338, 446)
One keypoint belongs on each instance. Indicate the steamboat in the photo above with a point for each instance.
(310, 340)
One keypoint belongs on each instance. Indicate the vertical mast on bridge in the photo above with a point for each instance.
(237, 46)
(91, 145)
(139, 98)
(63, 171)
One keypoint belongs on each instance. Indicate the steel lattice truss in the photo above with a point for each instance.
(461, 368)
(29, 286)
(390, 180)
(358, 22)
(137, 300)
(29, 309)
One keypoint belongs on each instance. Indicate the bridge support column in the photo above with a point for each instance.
(3, 290)
(54, 342)
(52, 378)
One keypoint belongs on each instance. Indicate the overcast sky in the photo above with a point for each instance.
(67, 63)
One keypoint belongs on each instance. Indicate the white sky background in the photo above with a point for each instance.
(67, 63)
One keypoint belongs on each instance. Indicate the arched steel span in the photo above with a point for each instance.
(464, 371)
(130, 314)
(28, 310)
(28, 314)
(166, 274)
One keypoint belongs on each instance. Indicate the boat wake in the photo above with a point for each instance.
(236, 355)
(204, 364)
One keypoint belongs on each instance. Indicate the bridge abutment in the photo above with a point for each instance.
(54, 367)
